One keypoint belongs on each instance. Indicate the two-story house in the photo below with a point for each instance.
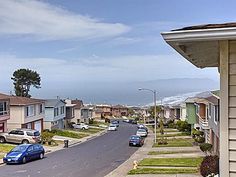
(26, 113)
(4, 112)
(119, 111)
(105, 109)
(78, 108)
(55, 112)
(70, 113)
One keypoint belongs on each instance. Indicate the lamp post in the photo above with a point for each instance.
(155, 109)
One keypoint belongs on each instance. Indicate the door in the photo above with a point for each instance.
(38, 125)
(1, 127)
(12, 136)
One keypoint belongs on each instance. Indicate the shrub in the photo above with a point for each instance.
(183, 126)
(162, 141)
(91, 121)
(47, 137)
(205, 147)
(209, 166)
(200, 139)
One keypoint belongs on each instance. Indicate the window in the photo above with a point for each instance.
(216, 113)
(210, 110)
(197, 109)
(56, 112)
(3, 108)
(30, 110)
(20, 133)
(62, 110)
(41, 108)
(13, 132)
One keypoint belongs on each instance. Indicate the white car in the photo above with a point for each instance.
(112, 127)
(81, 126)
(141, 132)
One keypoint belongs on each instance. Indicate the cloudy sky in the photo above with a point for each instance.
(83, 47)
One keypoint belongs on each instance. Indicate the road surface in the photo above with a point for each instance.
(94, 158)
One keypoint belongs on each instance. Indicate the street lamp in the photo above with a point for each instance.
(155, 109)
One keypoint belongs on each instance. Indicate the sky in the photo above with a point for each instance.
(88, 49)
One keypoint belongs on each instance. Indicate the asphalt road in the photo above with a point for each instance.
(94, 158)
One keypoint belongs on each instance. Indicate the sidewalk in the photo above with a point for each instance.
(72, 142)
(142, 153)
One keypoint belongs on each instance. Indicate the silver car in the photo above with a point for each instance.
(24, 136)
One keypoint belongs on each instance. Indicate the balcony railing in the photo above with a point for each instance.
(203, 123)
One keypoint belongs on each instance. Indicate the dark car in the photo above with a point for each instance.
(136, 140)
(24, 153)
(134, 122)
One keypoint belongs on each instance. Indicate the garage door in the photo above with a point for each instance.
(38, 125)
(1, 127)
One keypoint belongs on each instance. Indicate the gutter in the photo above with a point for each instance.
(200, 35)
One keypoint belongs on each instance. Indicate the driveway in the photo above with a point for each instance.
(94, 158)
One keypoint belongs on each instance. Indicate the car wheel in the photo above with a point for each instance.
(2, 140)
(41, 156)
(83, 128)
(24, 160)
(25, 142)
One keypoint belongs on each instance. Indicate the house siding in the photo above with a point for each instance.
(191, 113)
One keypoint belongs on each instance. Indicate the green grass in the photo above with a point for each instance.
(91, 130)
(172, 162)
(176, 142)
(167, 152)
(162, 171)
(69, 134)
(173, 135)
(168, 130)
(6, 147)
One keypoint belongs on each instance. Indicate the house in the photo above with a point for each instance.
(87, 113)
(26, 113)
(78, 108)
(55, 112)
(4, 112)
(70, 113)
(105, 109)
(119, 111)
(214, 45)
(168, 113)
(191, 116)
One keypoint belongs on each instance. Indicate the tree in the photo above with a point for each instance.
(151, 110)
(23, 79)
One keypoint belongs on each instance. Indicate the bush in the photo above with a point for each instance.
(91, 121)
(183, 126)
(210, 166)
(46, 137)
(170, 124)
(205, 147)
(199, 139)
(162, 141)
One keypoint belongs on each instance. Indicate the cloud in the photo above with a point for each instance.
(110, 69)
(43, 21)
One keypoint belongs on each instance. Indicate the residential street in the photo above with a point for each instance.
(94, 158)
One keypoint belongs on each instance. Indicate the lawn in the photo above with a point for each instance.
(168, 130)
(69, 134)
(91, 130)
(172, 162)
(167, 152)
(162, 171)
(176, 134)
(6, 147)
(176, 142)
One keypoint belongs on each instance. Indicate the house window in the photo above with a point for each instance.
(62, 110)
(197, 109)
(30, 110)
(216, 113)
(3, 108)
(41, 108)
(56, 112)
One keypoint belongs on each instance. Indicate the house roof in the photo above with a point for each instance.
(20, 101)
(78, 103)
(200, 44)
(52, 102)
(207, 26)
(119, 107)
(214, 100)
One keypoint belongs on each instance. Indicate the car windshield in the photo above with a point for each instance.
(20, 148)
(36, 133)
(134, 137)
(141, 130)
(112, 126)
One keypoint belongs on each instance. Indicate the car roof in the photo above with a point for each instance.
(25, 145)
(26, 129)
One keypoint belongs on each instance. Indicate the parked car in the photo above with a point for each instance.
(24, 153)
(112, 127)
(141, 132)
(126, 120)
(136, 140)
(115, 122)
(141, 126)
(81, 126)
(134, 122)
(24, 136)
